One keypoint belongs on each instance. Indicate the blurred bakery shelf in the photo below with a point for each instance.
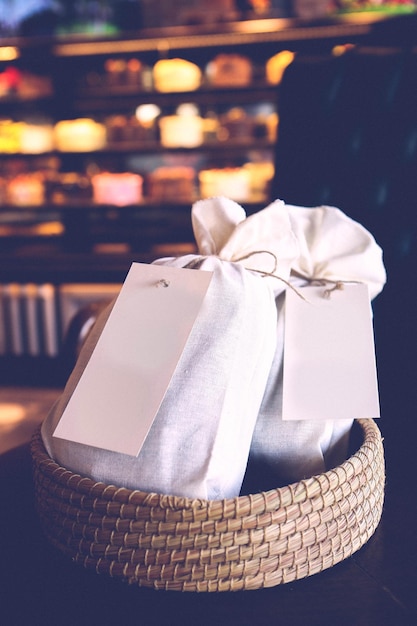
(46, 261)
(85, 239)
(227, 35)
(51, 231)
(111, 100)
(232, 147)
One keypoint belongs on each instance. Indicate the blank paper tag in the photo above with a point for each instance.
(329, 355)
(126, 378)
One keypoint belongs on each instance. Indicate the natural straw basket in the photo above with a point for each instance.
(248, 542)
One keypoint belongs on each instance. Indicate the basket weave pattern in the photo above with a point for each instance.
(253, 541)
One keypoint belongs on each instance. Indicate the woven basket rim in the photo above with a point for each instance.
(182, 544)
(297, 491)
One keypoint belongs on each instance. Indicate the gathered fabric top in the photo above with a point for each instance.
(317, 243)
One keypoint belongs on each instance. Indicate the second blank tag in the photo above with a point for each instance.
(124, 383)
(329, 356)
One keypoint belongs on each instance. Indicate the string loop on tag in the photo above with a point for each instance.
(271, 274)
(163, 282)
(196, 264)
(337, 286)
(247, 256)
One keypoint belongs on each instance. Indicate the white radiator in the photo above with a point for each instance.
(29, 320)
(34, 318)
(75, 296)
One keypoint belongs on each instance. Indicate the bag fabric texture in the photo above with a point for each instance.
(223, 404)
(332, 247)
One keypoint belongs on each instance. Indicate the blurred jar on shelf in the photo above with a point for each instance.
(26, 189)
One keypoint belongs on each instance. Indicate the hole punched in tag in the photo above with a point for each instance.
(163, 282)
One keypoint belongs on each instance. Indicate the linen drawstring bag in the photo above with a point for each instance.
(332, 247)
(198, 444)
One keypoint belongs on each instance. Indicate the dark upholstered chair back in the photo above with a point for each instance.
(348, 137)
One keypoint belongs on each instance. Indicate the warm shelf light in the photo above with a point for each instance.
(267, 30)
(11, 413)
(9, 53)
(147, 113)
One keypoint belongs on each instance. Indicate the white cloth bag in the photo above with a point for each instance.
(331, 247)
(199, 443)
(226, 394)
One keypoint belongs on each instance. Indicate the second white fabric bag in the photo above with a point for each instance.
(332, 247)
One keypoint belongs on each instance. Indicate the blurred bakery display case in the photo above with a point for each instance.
(106, 141)
(127, 141)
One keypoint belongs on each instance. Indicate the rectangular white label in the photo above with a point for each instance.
(329, 355)
(124, 383)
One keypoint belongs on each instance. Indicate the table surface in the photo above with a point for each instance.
(376, 586)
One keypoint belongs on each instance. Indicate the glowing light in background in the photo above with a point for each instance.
(9, 53)
(11, 413)
(147, 113)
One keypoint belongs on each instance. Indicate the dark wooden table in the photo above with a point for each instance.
(375, 587)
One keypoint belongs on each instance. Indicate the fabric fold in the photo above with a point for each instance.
(334, 247)
(224, 402)
(264, 242)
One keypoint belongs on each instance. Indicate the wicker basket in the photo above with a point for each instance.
(248, 542)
